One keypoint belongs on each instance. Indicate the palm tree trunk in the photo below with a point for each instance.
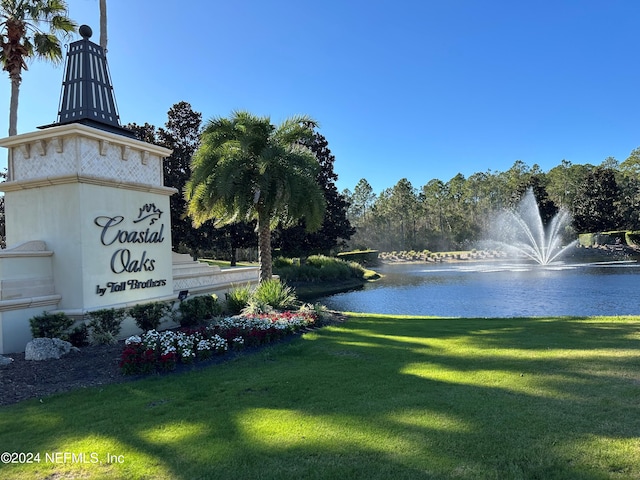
(103, 24)
(234, 255)
(264, 248)
(13, 106)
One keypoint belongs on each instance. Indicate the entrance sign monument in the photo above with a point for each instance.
(87, 214)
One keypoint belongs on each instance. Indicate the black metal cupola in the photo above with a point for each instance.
(87, 94)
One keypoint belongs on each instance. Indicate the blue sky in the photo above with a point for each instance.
(417, 89)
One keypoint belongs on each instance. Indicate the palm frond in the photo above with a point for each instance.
(296, 129)
(47, 46)
(62, 24)
(246, 168)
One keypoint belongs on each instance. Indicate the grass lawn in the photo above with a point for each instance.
(377, 397)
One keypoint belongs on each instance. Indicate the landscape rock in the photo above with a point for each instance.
(47, 348)
(4, 361)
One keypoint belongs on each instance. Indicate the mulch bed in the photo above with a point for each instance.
(94, 365)
(91, 366)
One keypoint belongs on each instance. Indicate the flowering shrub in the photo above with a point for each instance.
(162, 351)
(137, 357)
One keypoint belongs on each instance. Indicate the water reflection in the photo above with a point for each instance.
(498, 290)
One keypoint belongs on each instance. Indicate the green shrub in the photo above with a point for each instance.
(586, 239)
(321, 261)
(320, 268)
(105, 325)
(79, 336)
(50, 325)
(274, 293)
(196, 310)
(281, 262)
(291, 273)
(148, 316)
(237, 299)
(357, 270)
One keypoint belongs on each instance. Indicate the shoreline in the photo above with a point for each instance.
(579, 254)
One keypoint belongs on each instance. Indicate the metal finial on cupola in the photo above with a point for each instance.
(87, 93)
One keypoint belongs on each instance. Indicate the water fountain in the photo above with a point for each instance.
(522, 232)
(542, 286)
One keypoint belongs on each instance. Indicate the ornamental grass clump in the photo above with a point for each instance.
(256, 307)
(275, 293)
(237, 299)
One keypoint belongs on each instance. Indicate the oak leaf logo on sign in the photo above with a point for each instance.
(149, 210)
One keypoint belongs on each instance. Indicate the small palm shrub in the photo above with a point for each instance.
(256, 307)
(196, 310)
(148, 316)
(50, 325)
(237, 299)
(275, 293)
(105, 325)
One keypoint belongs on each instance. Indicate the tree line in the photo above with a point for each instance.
(437, 216)
(456, 214)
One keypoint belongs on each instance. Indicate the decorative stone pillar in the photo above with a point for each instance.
(87, 213)
(97, 200)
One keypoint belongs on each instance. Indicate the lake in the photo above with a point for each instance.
(497, 290)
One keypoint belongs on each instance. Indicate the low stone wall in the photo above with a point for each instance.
(200, 278)
(27, 289)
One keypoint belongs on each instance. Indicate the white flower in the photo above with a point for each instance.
(133, 339)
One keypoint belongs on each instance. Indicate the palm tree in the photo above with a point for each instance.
(246, 168)
(21, 37)
(103, 25)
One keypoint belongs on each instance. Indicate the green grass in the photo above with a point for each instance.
(377, 397)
